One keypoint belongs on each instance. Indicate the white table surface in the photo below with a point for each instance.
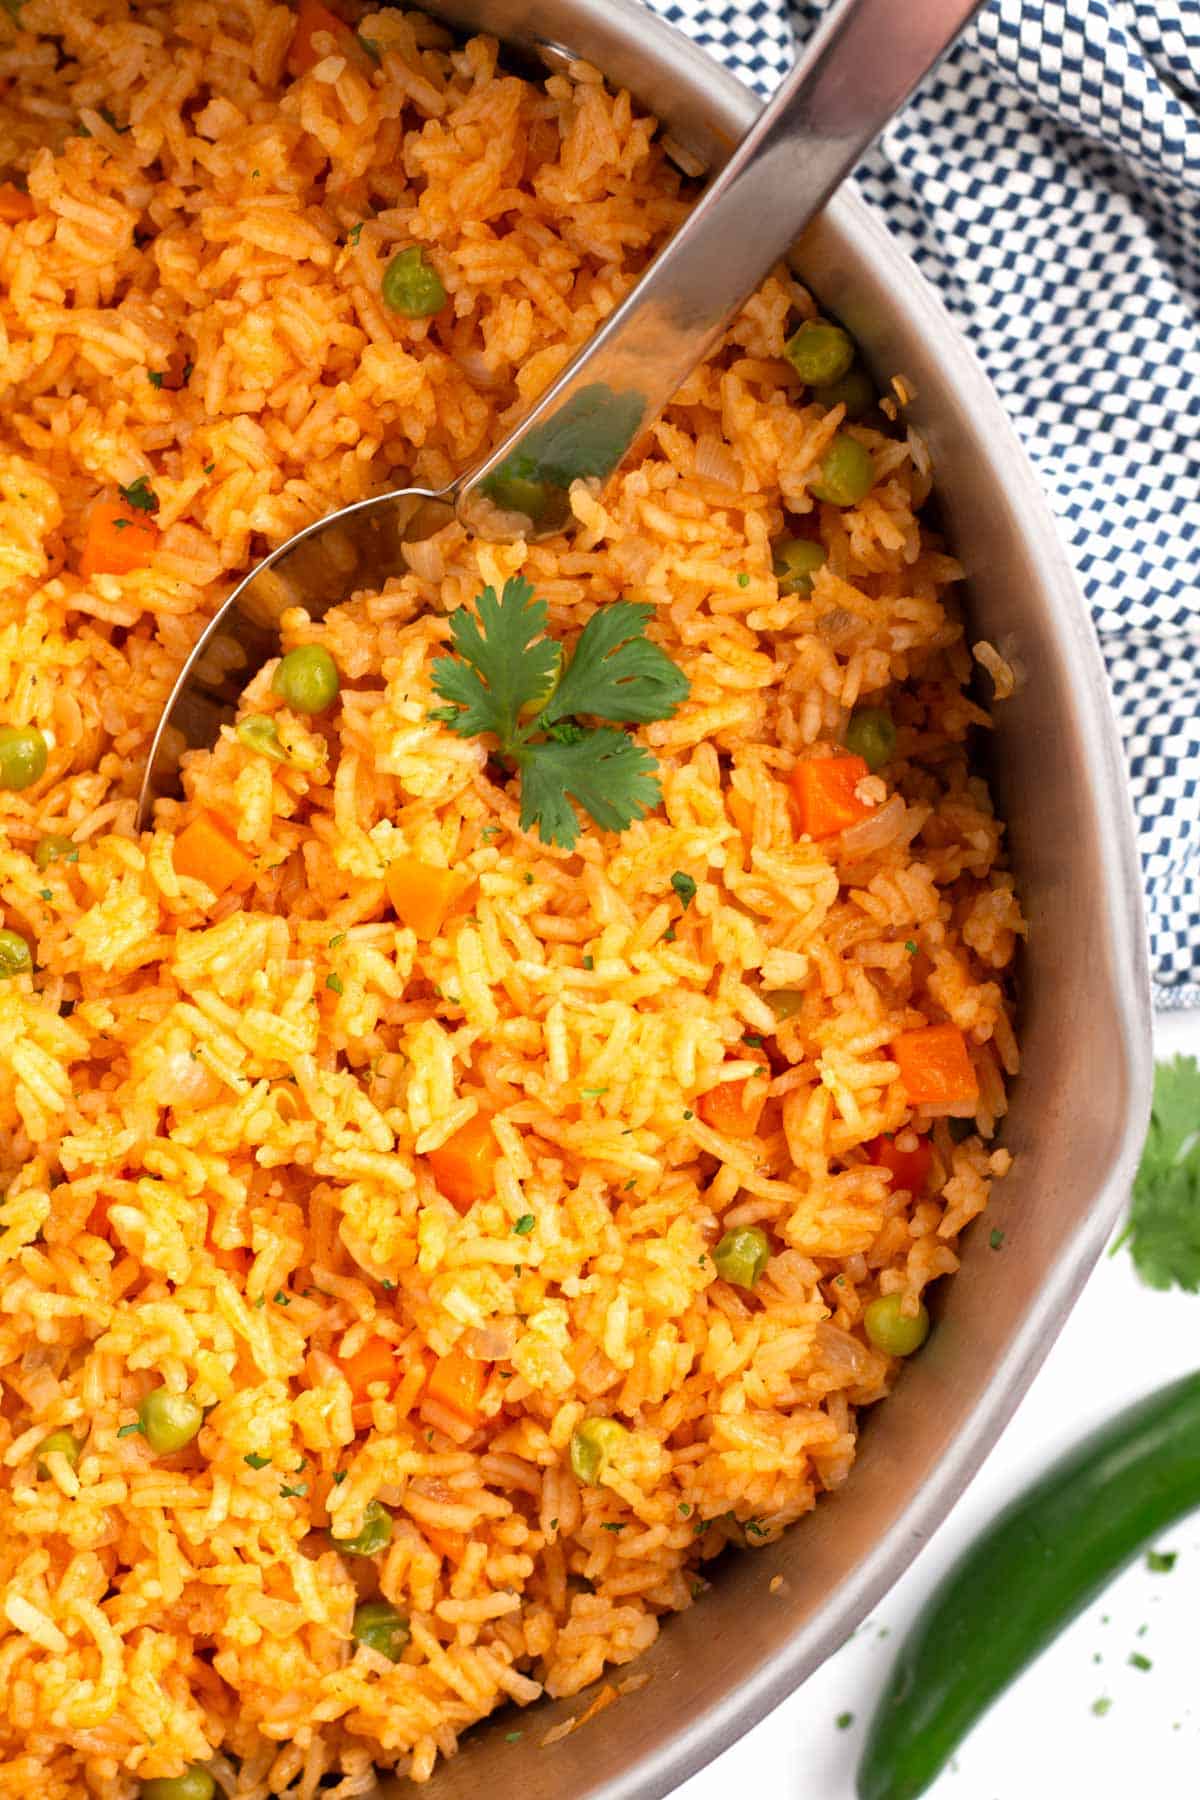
(1042, 1741)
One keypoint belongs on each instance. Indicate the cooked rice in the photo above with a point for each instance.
(214, 1162)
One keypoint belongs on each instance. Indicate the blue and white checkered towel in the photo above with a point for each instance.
(1047, 181)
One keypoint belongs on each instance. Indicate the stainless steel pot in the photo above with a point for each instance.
(1080, 1105)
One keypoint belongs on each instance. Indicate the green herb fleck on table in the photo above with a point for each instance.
(1138, 1661)
(845, 1721)
(1161, 1562)
(1101, 1706)
(1163, 1230)
(996, 1239)
(504, 664)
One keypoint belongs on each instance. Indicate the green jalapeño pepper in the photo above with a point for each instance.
(1044, 1559)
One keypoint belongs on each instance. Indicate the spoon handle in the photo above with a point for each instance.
(856, 72)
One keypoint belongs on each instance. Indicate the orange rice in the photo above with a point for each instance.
(220, 1114)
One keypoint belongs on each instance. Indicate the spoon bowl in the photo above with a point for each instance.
(857, 71)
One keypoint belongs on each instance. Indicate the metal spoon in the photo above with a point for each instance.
(855, 74)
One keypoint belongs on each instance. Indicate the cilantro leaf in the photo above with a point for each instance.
(1163, 1230)
(611, 777)
(505, 679)
(506, 663)
(685, 889)
(617, 673)
(140, 495)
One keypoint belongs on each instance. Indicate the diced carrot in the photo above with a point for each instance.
(311, 18)
(422, 895)
(909, 1168)
(15, 205)
(208, 853)
(464, 1164)
(375, 1362)
(448, 1544)
(234, 1262)
(457, 1382)
(735, 1107)
(826, 802)
(935, 1066)
(119, 539)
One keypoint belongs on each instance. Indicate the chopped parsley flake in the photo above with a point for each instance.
(845, 1721)
(1161, 1562)
(334, 984)
(128, 1430)
(685, 888)
(256, 1461)
(996, 1239)
(524, 1225)
(339, 937)
(1138, 1661)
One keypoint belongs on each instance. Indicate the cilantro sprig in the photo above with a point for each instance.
(509, 679)
(1163, 1230)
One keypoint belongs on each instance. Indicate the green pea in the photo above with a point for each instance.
(892, 1330)
(593, 1446)
(519, 494)
(819, 352)
(412, 286)
(194, 1784)
(261, 734)
(846, 474)
(55, 848)
(785, 1003)
(871, 735)
(742, 1255)
(380, 1627)
(169, 1421)
(66, 1443)
(854, 390)
(375, 1535)
(23, 755)
(16, 957)
(307, 679)
(796, 562)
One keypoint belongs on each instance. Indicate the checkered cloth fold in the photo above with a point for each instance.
(1047, 182)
